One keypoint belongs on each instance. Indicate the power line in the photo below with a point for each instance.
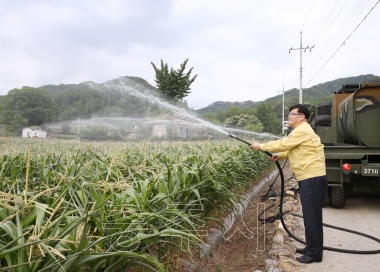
(307, 15)
(325, 22)
(286, 67)
(343, 43)
(343, 27)
(307, 59)
(304, 22)
(335, 37)
(317, 56)
(346, 25)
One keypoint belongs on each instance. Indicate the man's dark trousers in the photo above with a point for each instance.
(312, 192)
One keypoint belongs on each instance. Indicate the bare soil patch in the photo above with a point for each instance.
(247, 243)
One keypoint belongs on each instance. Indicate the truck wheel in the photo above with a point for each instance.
(323, 120)
(337, 197)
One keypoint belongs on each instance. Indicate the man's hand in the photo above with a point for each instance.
(274, 158)
(255, 146)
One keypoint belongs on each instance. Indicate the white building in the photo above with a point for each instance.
(33, 133)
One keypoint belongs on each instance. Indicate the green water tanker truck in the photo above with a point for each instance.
(349, 128)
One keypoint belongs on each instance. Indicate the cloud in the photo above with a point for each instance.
(239, 49)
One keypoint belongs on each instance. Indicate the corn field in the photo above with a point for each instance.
(71, 206)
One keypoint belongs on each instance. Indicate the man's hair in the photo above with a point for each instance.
(301, 109)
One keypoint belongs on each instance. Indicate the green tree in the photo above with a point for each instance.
(245, 122)
(17, 123)
(268, 119)
(242, 120)
(233, 110)
(174, 85)
(65, 128)
(27, 107)
(132, 106)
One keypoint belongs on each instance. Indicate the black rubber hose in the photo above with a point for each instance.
(327, 225)
(270, 219)
(266, 196)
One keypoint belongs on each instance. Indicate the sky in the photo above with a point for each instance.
(238, 48)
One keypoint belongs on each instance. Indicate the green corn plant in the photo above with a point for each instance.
(70, 206)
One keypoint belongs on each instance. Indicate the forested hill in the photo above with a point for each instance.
(68, 94)
(88, 99)
(318, 92)
(135, 97)
(224, 105)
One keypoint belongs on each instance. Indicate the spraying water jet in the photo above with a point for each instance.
(123, 85)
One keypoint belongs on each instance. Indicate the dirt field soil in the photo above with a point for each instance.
(247, 243)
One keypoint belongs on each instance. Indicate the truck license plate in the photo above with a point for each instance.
(370, 171)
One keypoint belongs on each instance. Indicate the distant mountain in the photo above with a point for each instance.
(317, 92)
(120, 97)
(223, 106)
(104, 91)
(135, 97)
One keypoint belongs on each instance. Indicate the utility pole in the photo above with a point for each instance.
(78, 128)
(300, 49)
(283, 109)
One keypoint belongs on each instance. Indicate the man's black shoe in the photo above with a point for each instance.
(301, 250)
(307, 259)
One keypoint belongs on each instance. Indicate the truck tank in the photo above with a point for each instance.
(349, 128)
(358, 117)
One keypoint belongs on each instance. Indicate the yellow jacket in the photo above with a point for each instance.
(304, 150)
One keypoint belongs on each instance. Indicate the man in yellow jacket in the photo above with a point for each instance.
(307, 160)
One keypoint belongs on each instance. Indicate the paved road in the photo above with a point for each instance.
(361, 213)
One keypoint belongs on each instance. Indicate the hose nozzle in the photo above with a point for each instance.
(235, 137)
(232, 135)
(241, 140)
